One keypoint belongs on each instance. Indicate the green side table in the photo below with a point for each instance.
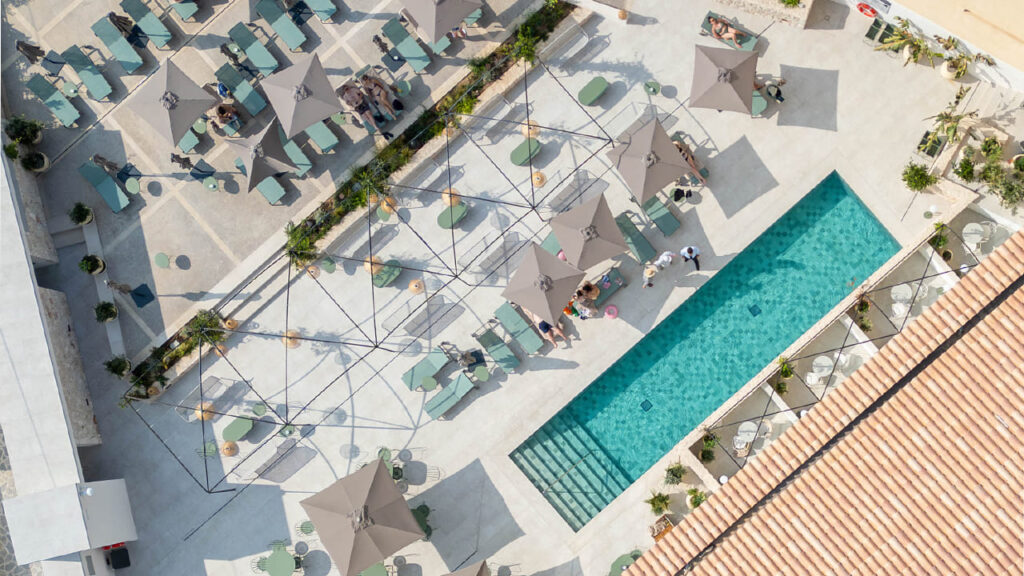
(652, 87)
(428, 383)
(482, 373)
(403, 87)
(384, 454)
(199, 126)
(339, 118)
(623, 562)
(259, 409)
(287, 430)
(162, 260)
(69, 89)
(328, 265)
(210, 182)
(132, 185)
(307, 528)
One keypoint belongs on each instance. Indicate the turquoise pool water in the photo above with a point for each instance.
(710, 346)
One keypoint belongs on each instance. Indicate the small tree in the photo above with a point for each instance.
(105, 311)
(785, 368)
(674, 474)
(11, 151)
(659, 502)
(118, 366)
(80, 213)
(697, 497)
(947, 122)
(707, 450)
(91, 264)
(965, 169)
(916, 176)
(22, 130)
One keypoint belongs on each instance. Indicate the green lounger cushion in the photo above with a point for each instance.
(590, 93)
(243, 92)
(615, 282)
(322, 136)
(473, 17)
(747, 43)
(148, 22)
(498, 349)
(637, 242)
(448, 397)
(95, 83)
(550, 244)
(282, 23)
(188, 142)
(186, 9)
(323, 9)
(451, 216)
(296, 155)
(525, 152)
(441, 45)
(387, 274)
(105, 185)
(65, 112)
(271, 189)
(661, 215)
(406, 45)
(118, 45)
(427, 367)
(519, 328)
(255, 51)
(758, 104)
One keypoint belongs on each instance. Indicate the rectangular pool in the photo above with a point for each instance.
(707, 349)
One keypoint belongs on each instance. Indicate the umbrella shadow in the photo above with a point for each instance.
(740, 178)
(813, 101)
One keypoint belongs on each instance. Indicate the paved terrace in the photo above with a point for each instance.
(847, 109)
(216, 237)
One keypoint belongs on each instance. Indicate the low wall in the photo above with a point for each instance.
(795, 16)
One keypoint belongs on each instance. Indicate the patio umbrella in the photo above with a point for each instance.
(434, 18)
(478, 569)
(543, 284)
(588, 233)
(171, 102)
(647, 159)
(262, 154)
(723, 79)
(301, 95)
(362, 519)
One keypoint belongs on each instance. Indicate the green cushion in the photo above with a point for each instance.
(451, 216)
(282, 23)
(525, 152)
(593, 90)
(519, 328)
(117, 44)
(95, 83)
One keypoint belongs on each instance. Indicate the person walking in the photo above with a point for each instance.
(665, 259)
(649, 274)
(691, 253)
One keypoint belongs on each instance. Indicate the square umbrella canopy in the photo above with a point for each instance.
(647, 159)
(477, 569)
(434, 18)
(171, 102)
(301, 95)
(723, 79)
(588, 234)
(362, 519)
(543, 284)
(262, 154)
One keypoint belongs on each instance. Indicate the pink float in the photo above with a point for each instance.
(611, 311)
(561, 254)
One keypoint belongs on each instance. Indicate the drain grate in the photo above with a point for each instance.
(754, 310)
(646, 405)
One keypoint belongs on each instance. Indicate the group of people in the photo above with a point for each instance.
(374, 103)
(667, 258)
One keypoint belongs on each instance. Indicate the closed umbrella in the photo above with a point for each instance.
(362, 519)
(723, 79)
(171, 102)
(477, 569)
(647, 159)
(262, 154)
(301, 94)
(588, 234)
(434, 18)
(543, 284)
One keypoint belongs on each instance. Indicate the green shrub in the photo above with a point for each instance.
(11, 150)
(781, 386)
(697, 497)
(674, 474)
(791, 3)
(79, 213)
(965, 170)
(916, 176)
(118, 366)
(105, 311)
(300, 246)
(939, 240)
(863, 305)
(991, 148)
(90, 264)
(21, 129)
(525, 46)
(865, 323)
(659, 503)
(1018, 163)
(785, 369)
(33, 160)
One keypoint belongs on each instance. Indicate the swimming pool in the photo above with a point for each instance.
(708, 348)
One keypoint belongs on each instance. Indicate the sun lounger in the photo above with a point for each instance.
(241, 90)
(118, 45)
(297, 156)
(637, 242)
(271, 189)
(65, 112)
(322, 137)
(148, 22)
(188, 142)
(255, 51)
(282, 23)
(186, 9)
(661, 215)
(441, 45)
(448, 397)
(406, 45)
(615, 282)
(747, 43)
(427, 367)
(594, 89)
(521, 330)
(95, 84)
(387, 274)
(323, 9)
(679, 137)
(105, 185)
(473, 17)
(497, 348)
(758, 104)
(550, 244)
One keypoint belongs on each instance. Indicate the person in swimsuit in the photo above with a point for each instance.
(684, 151)
(721, 29)
(380, 94)
(549, 331)
(354, 98)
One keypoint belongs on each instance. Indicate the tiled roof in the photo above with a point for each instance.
(912, 466)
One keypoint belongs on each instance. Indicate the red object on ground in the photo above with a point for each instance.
(867, 10)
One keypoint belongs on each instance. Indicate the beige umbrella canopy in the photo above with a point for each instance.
(301, 94)
(723, 79)
(434, 18)
(362, 519)
(647, 159)
(478, 569)
(543, 284)
(262, 154)
(171, 102)
(588, 234)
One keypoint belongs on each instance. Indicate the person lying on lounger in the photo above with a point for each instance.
(723, 30)
(354, 98)
(381, 95)
(684, 151)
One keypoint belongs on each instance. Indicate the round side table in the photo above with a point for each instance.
(132, 185)
(162, 260)
(652, 87)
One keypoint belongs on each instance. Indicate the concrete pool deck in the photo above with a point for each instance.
(843, 112)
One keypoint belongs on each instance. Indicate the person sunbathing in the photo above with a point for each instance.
(354, 98)
(723, 30)
(684, 151)
(380, 94)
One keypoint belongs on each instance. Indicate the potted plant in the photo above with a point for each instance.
(11, 151)
(865, 323)
(785, 368)
(707, 450)
(909, 44)
(105, 311)
(92, 264)
(947, 125)
(118, 366)
(674, 474)
(35, 161)
(991, 148)
(964, 169)
(954, 67)
(659, 502)
(863, 305)
(696, 497)
(24, 131)
(80, 214)
(916, 176)
(1018, 163)
(780, 386)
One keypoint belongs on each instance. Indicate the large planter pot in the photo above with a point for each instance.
(1019, 158)
(44, 167)
(907, 53)
(947, 70)
(103, 266)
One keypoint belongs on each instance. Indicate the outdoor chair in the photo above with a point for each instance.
(148, 22)
(260, 58)
(322, 137)
(271, 190)
(188, 142)
(186, 9)
(871, 37)
(525, 152)
(58, 104)
(661, 215)
(748, 43)
(521, 330)
(446, 399)
(610, 282)
(680, 138)
(451, 216)
(282, 23)
(324, 9)
(420, 513)
(638, 244)
(473, 17)
(241, 90)
(119, 47)
(550, 244)
(296, 155)
(406, 45)
(497, 348)
(423, 374)
(105, 185)
(95, 84)
(758, 104)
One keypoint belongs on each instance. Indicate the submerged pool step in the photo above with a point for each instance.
(588, 496)
(591, 465)
(617, 475)
(527, 459)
